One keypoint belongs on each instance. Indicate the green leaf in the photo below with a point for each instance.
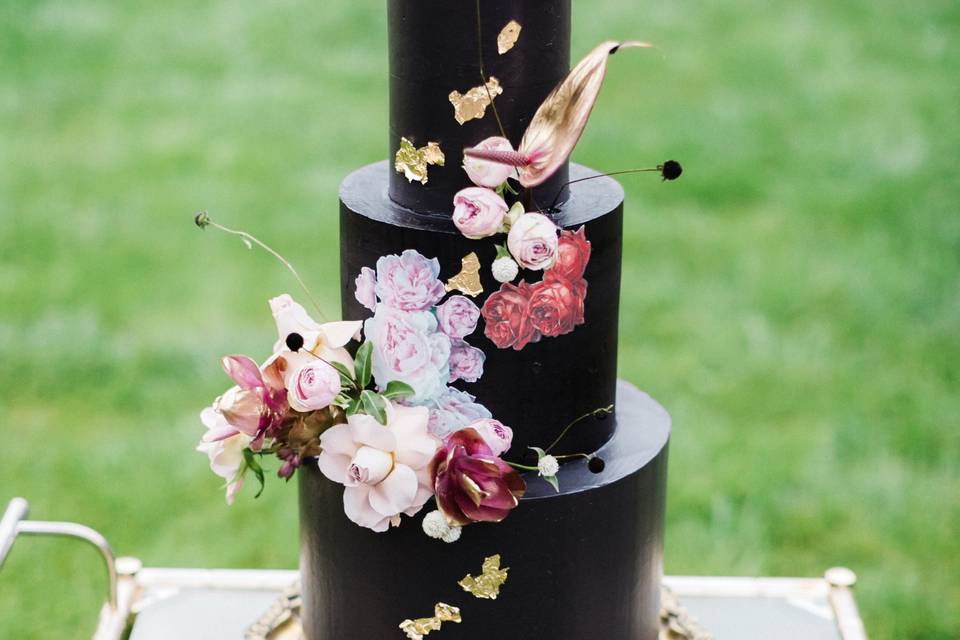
(375, 405)
(362, 361)
(553, 482)
(540, 452)
(397, 389)
(353, 406)
(254, 465)
(345, 376)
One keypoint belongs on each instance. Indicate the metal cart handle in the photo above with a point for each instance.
(13, 524)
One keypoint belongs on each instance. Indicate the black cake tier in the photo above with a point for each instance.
(433, 51)
(543, 387)
(584, 563)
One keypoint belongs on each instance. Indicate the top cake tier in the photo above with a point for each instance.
(434, 51)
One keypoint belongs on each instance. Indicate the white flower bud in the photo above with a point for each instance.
(548, 466)
(505, 269)
(437, 527)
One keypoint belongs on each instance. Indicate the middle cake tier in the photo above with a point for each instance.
(542, 387)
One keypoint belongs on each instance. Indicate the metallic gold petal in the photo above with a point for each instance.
(413, 162)
(473, 104)
(508, 36)
(468, 280)
(487, 585)
(416, 629)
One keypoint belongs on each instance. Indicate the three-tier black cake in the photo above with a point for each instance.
(584, 562)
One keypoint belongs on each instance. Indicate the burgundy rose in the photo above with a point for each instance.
(505, 315)
(573, 253)
(556, 306)
(471, 483)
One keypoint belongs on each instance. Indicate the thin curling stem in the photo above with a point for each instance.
(599, 175)
(596, 412)
(483, 73)
(203, 220)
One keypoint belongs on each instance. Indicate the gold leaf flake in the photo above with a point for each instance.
(416, 629)
(468, 280)
(486, 585)
(412, 162)
(508, 36)
(473, 104)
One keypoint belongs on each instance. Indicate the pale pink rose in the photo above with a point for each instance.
(409, 281)
(498, 436)
(385, 469)
(407, 347)
(485, 173)
(224, 446)
(458, 316)
(478, 212)
(466, 362)
(311, 386)
(325, 340)
(366, 291)
(533, 241)
(453, 410)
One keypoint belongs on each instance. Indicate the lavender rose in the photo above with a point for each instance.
(408, 347)
(478, 212)
(409, 281)
(485, 173)
(498, 436)
(366, 291)
(466, 362)
(453, 410)
(458, 316)
(533, 241)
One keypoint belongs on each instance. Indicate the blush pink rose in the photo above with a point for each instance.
(485, 173)
(409, 281)
(311, 386)
(533, 241)
(408, 347)
(478, 212)
(466, 362)
(505, 315)
(498, 436)
(555, 307)
(366, 288)
(385, 469)
(573, 253)
(458, 316)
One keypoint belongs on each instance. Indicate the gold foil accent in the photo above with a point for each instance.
(413, 162)
(473, 104)
(508, 36)
(416, 629)
(468, 280)
(487, 585)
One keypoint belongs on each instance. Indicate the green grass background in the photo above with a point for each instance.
(794, 300)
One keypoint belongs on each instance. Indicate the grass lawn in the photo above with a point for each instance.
(794, 299)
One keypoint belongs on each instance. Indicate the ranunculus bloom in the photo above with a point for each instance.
(453, 410)
(409, 281)
(366, 288)
(472, 484)
(386, 470)
(458, 316)
(466, 362)
(555, 307)
(485, 173)
(533, 241)
(573, 253)
(312, 384)
(408, 347)
(224, 446)
(324, 340)
(498, 436)
(478, 212)
(505, 316)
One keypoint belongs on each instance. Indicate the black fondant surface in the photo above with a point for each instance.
(433, 50)
(542, 388)
(585, 563)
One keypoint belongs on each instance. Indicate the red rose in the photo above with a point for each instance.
(573, 253)
(505, 316)
(556, 306)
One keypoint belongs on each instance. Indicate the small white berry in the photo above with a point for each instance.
(436, 526)
(548, 466)
(505, 269)
(452, 535)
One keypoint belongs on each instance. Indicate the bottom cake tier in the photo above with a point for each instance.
(583, 563)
